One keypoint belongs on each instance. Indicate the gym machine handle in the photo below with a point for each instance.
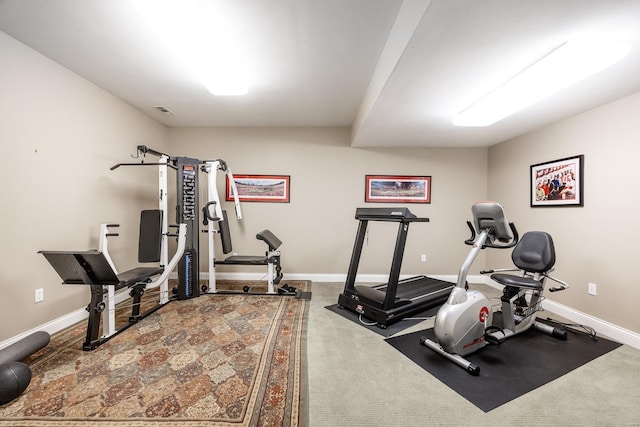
(207, 214)
(470, 241)
(112, 234)
(498, 270)
(116, 166)
(563, 285)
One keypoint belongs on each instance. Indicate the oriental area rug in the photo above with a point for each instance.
(214, 360)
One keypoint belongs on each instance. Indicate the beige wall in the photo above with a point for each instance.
(594, 243)
(59, 135)
(327, 185)
(62, 134)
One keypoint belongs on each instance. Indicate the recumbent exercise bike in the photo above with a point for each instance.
(464, 324)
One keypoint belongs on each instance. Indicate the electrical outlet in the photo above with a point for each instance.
(39, 295)
(423, 258)
(592, 288)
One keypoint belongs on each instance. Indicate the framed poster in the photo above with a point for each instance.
(558, 183)
(260, 188)
(397, 189)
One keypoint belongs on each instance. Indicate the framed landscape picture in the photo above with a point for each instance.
(260, 188)
(397, 189)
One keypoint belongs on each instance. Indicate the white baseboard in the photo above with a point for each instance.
(603, 327)
(315, 277)
(361, 278)
(610, 330)
(615, 332)
(51, 327)
(60, 323)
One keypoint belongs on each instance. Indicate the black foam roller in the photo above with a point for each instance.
(25, 347)
(14, 379)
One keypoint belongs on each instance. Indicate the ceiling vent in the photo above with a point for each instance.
(163, 110)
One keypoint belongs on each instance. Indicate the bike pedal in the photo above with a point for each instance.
(492, 339)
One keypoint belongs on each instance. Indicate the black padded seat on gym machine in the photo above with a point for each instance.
(225, 237)
(534, 253)
(137, 275)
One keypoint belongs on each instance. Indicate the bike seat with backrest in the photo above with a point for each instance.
(534, 253)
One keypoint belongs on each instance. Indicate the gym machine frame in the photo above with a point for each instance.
(96, 269)
(187, 170)
(271, 258)
(188, 212)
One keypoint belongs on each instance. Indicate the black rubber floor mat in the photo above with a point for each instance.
(390, 330)
(516, 367)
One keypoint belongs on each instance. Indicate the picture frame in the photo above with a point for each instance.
(260, 188)
(558, 182)
(397, 189)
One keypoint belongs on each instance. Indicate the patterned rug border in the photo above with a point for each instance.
(299, 413)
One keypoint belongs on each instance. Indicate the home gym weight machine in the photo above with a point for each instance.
(188, 212)
(463, 324)
(392, 301)
(96, 268)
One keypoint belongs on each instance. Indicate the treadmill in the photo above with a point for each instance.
(389, 302)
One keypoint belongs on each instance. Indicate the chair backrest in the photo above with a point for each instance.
(534, 252)
(150, 238)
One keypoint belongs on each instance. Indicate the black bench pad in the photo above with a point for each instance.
(136, 275)
(245, 260)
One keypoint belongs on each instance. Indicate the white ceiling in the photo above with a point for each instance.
(394, 71)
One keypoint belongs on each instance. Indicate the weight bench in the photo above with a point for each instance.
(94, 268)
(271, 258)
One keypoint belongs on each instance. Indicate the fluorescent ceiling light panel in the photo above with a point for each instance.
(200, 34)
(571, 62)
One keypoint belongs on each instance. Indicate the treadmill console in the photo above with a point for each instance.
(387, 214)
